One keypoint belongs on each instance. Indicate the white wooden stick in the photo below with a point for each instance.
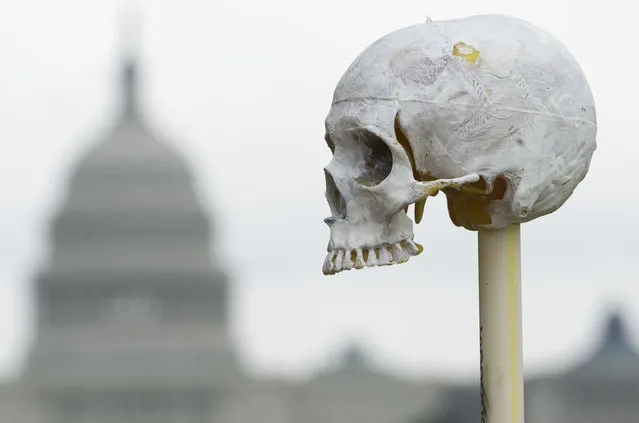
(502, 381)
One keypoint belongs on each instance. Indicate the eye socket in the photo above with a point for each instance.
(376, 159)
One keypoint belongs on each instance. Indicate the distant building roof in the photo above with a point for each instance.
(352, 362)
(354, 359)
(615, 358)
(132, 167)
(131, 142)
(131, 202)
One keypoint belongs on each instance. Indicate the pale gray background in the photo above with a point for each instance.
(242, 88)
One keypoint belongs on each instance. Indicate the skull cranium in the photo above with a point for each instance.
(489, 109)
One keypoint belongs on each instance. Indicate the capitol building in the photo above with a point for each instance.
(132, 320)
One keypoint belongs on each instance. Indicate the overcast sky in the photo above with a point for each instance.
(242, 88)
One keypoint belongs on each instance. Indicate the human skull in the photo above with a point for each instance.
(489, 109)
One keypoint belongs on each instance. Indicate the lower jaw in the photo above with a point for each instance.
(338, 260)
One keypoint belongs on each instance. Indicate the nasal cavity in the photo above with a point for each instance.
(335, 200)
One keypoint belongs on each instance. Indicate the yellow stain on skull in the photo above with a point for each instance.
(466, 52)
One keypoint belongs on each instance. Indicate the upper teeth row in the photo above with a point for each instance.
(358, 258)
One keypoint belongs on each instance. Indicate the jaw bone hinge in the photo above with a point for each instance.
(346, 259)
(423, 190)
(430, 188)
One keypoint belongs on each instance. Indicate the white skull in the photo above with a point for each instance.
(489, 109)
